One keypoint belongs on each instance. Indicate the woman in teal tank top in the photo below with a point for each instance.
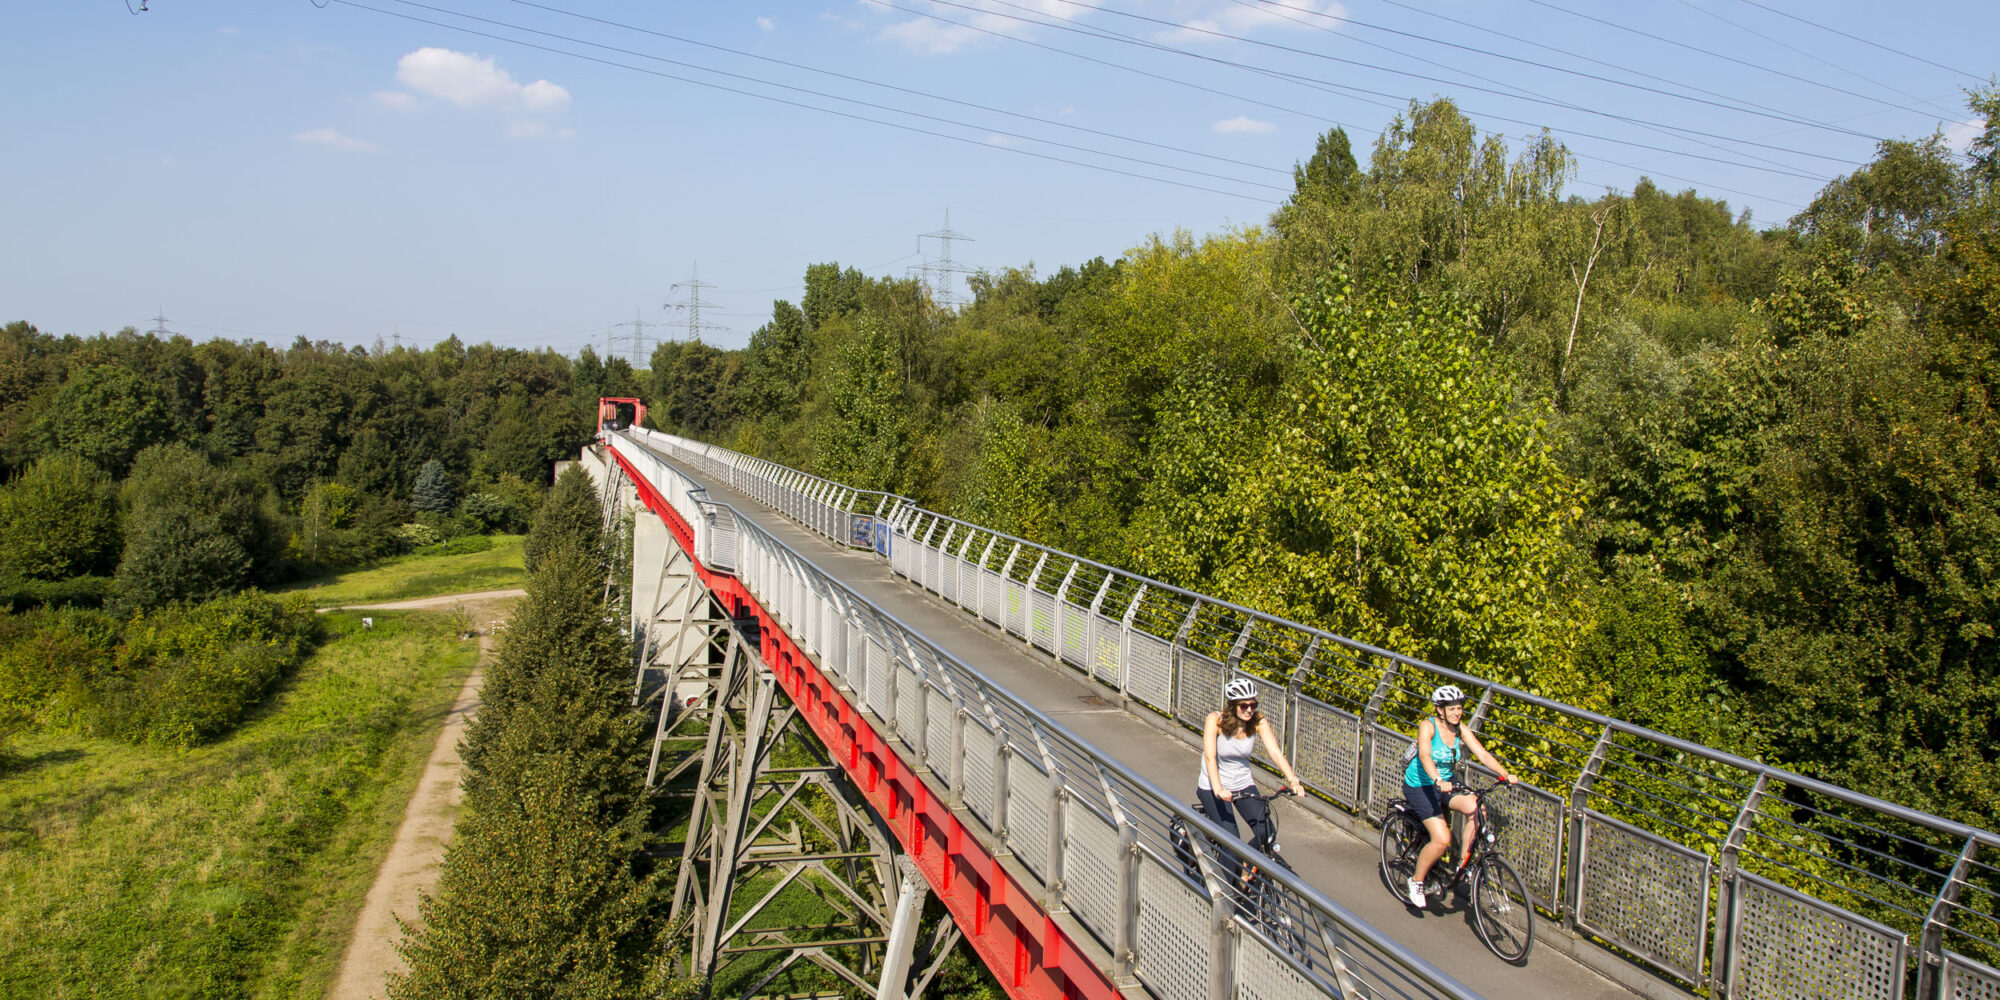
(1431, 782)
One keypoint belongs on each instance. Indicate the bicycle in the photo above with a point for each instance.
(1258, 898)
(1502, 911)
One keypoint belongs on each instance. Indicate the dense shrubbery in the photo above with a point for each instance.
(179, 675)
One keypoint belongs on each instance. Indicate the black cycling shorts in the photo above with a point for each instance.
(1425, 801)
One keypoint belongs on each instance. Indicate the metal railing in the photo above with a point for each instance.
(1725, 873)
(1097, 838)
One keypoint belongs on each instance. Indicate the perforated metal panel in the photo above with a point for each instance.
(1090, 874)
(1042, 620)
(1106, 638)
(1263, 974)
(1528, 829)
(1173, 955)
(1645, 895)
(1386, 773)
(1200, 688)
(909, 701)
(1075, 624)
(992, 597)
(1785, 944)
(968, 584)
(834, 657)
(1028, 814)
(878, 679)
(1329, 750)
(948, 576)
(1150, 670)
(1015, 619)
(1271, 700)
(937, 733)
(979, 770)
(1964, 979)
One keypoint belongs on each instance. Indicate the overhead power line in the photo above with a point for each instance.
(781, 100)
(1858, 38)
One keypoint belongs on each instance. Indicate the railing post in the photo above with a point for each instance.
(1058, 793)
(1364, 782)
(1179, 647)
(1028, 599)
(955, 768)
(1579, 795)
(1125, 646)
(1295, 686)
(1725, 906)
(1221, 954)
(1931, 956)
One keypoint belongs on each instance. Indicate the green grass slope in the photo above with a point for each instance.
(235, 869)
(409, 577)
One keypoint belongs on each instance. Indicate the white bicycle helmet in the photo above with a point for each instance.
(1239, 689)
(1447, 694)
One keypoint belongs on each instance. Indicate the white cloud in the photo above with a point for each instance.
(333, 140)
(1244, 19)
(394, 100)
(1960, 134)
(469, 81)
(766, 23)
(226, 30)
(1241, 125)
(1003, 141)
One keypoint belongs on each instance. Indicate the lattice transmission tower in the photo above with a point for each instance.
(692, 307)
(943, 288)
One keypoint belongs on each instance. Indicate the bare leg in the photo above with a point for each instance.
(1435, 848)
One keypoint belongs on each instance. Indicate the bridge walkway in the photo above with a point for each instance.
(1338, 862)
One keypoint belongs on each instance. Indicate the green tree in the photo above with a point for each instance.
(105, 414)
(59, 519)
(191, 529)
(570, 517)
(433, 492)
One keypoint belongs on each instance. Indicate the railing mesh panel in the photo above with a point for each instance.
(979, 744)
(1644, 895)
(1028, 812)
(1152, 671)
(1173, 957)
(878, 680)
(909, 705)
(1105, 643)
(1965, 979)
(1329, 750)
(1090, 873)
(1786, 945)
(1200, 690)
(937, 733)
(1262, 975)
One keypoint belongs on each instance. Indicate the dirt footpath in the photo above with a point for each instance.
(414, 860)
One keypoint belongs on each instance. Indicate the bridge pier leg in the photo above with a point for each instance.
(785, 865)
(902, 948)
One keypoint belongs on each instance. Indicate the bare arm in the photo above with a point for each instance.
(1278, 756)
(1479, 750)
(1210, 730)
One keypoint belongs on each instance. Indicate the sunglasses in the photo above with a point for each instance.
(1247, 704)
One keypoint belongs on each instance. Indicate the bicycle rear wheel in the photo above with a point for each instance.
(1502, 911)
(1402, 837)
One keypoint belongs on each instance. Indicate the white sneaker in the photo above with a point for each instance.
(1417, 894)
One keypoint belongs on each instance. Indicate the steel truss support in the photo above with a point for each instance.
(784, 861)
(677, 629)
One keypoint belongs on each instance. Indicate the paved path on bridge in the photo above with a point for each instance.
(1339, 863)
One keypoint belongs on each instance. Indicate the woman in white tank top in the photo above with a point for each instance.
(1229, 739)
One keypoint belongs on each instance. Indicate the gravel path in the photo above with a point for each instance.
(413, 864)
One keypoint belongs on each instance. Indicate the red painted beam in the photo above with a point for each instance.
(1029, 954)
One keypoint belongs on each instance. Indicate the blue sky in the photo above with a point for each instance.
(278, 169)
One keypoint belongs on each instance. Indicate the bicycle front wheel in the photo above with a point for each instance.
(1502, 911)
(1402, 837)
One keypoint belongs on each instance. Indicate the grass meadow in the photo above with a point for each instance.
(236, 869)
(409, 577)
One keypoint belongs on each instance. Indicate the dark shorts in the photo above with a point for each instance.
(1424, 800)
